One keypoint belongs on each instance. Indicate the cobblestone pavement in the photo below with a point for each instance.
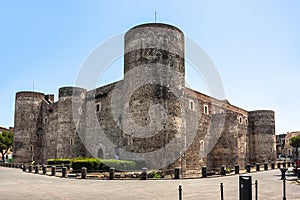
(16, 185)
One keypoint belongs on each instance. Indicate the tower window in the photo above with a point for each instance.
(98, 107)
(240, 120)
(46, 121)
(205, 109)
(71, 141)
(191, 105)
(31, 148)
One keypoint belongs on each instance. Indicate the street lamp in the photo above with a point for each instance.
(283, 170)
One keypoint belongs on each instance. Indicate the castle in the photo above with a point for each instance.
(150, 115)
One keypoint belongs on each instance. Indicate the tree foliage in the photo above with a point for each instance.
(6, 142)
(295, 142)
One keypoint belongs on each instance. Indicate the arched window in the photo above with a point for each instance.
(202, 145)
(205, 109)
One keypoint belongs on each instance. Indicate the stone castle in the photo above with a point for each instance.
(150, 115)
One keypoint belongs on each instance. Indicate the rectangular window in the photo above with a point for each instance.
(191, 105)
(97, 107)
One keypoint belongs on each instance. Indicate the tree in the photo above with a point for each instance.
(295, 142)
(6, 142)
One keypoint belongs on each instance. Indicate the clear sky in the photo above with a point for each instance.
(255, 46)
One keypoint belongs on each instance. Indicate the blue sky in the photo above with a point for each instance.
(255, 46)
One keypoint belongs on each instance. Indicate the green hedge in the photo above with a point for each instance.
(119, 164)
(59, 161)
(89, 163)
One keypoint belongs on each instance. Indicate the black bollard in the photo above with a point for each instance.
(53, 170)
(204, 172)
(278, 165)
(144, 173)
(256, 190)
(177, 173)
(272, 165)
(180, 192)
(248, 168)
(44, 168)
(64, 172)
(223, 170)
(289, 164)
(222, 192)
(83, 172)
(236, 169)
(36, 169)
(30, 168)
(24, 168)
(266, 166)
(284, 165)
(111, 173)
(257, 166)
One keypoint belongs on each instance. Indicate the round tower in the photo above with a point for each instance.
(151, 112)
(262, 136)
(70, 111)
(26, 122)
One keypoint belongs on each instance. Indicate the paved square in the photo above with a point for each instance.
(16, 185)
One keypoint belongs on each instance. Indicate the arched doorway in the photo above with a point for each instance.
(100, 153)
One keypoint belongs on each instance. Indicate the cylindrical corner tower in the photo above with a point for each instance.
(70, 111)
(153, 90)
(262, 136)
(26, 122)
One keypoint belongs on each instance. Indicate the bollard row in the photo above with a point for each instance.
(177, 171)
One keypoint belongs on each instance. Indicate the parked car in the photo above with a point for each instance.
(282, 157)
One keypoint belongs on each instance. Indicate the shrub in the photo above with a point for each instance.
(154, 174)
(119, 164)
(59, 161)
(89, 163)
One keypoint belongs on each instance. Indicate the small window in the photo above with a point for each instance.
(98, 107)
(201, 145)
(71, 141)
(31, 148)
(46, 121)
(246, 121)
(191, 105)
(205, 109)
(240, 120)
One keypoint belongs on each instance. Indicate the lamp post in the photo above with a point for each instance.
(283, 170)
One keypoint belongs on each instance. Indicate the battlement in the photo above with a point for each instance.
(71, 92)
(37, 95)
